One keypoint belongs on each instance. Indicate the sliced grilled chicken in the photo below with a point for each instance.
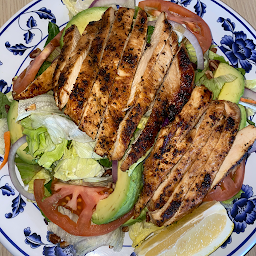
(212, 120)
(70, 40)
(149, 55)
(122, 86)
(197, 181)
(172, 96)
(42, 84)
(243, 142)
(70, 72)
(89, 69)
(175, 131)
(147, 88)
(98, 99)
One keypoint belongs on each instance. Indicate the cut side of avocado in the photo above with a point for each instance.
(234, 90)
(123, 198)
(243, 117)
(82, 19)
(16, 132)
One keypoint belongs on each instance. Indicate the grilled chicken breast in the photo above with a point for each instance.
(172, 96)
(42, 84)
(70, 40)
(98, 99)
(89, 69)
(146, 91)
(197, 181)
(175, 132)
(122, 86)
(213, 119)
(73, 65)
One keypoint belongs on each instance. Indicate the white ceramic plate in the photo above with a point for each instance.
(22, 227)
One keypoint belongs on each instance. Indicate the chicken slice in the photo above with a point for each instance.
(175, 131)
(42, 84)
(147, 88)
(89, 69)
(243, 142)
(172, 96)
(98, 98)
(70, 40)
(70, 71)
(197, 181)
(122, 86)
(212, 119)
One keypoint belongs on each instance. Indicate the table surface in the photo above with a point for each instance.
(10, 7)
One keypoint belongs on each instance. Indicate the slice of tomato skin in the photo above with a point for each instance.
(179, 14)
(229, 186)
(83, 227)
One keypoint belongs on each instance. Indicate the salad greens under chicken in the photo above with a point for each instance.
(55, 149)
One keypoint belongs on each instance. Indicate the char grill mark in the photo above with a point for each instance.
(98, 98)
(213, 119)
(42, 84)
(175, 131)
(122, 86)
(146, 91)
(89, 69)
(172, 96)
(70, 40)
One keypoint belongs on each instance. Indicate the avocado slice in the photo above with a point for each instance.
(234, 90)
(123, 198)
(243, 117)
(16, 132)
(83, 18)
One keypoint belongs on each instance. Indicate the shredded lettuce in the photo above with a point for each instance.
(76, 6)
(27, 171)
(41, 146)
(73, 167)
(251, 84)
(215, 84)
(42, 174)
(191, 52)
(3, 129)
(85, 150)
(43, 112)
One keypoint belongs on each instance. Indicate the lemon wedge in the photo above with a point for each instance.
(198, 233)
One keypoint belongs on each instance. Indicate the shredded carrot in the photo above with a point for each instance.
(7, 142)
(248, 100)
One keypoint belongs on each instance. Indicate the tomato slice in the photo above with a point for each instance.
(182, 15)
(28, 75)
(90, 197)
(229, 187)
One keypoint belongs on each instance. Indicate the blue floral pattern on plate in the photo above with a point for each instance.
(235, 43)
(239, 50)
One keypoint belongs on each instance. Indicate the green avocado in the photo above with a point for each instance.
(234, 90)
(16, 132)
(83, 18)
(123, 198)
(243, 117)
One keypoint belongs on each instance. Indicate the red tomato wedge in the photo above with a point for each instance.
(90, 197)
(181, 15)
(229, 187)
(29, 74)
